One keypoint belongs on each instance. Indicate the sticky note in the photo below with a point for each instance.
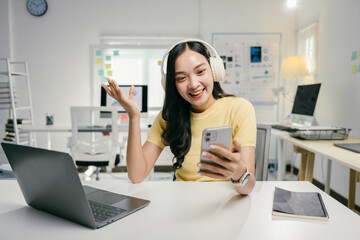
(101, 72)
(116, 53)
(98, 52)
(103, 80)
(359, 54)
(109, 73)
(98, 61)
(108, 58)
(359, 68)
(354, 70)
(159, 62)
(107, 66)
(124, 117)
(354, 55)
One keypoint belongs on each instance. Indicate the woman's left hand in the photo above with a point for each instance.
(230, 163)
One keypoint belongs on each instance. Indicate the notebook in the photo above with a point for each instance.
(50, 183)
(308, 205)
(355, 147)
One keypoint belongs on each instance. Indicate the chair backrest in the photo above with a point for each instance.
(263, 134)
(94, 138)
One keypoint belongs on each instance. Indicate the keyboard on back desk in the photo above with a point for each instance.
(284, 128)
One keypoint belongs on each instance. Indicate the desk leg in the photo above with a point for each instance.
(309, 167)
(281, 161)
(328, 176)
(352, 188)
(302, 170)
(307, 164)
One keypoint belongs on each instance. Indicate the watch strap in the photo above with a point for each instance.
(243, 180)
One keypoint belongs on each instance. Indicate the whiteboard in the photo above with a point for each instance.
(252, 63)
(127, 65)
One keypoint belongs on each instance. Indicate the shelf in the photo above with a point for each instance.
(13, 73)
(22, 108)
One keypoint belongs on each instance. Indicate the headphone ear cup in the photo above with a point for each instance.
(163, 80)
(217, 68)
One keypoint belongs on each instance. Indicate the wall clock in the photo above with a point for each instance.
(37, 7)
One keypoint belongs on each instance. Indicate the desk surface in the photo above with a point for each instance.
(67, 128)
(327, 149)
(182, 210)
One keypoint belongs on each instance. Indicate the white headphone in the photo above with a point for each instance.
(216, 63)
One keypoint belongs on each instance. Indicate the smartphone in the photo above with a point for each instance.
(220, 136)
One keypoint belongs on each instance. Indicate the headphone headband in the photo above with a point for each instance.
(216, 63)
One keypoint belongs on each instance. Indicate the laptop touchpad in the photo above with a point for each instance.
(105, 197)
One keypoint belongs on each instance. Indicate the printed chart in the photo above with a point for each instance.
(252, 66)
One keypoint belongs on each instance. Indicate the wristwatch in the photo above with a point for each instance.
(243, 180)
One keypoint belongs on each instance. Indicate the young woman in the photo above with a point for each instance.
(193, 102)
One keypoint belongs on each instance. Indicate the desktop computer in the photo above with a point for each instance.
(302, 113)
(140, 96)
(304, 104)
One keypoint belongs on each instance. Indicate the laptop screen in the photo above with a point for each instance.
(305, 99)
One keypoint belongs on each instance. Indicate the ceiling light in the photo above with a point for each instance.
(291, 3)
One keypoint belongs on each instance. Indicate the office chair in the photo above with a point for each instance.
(94, 140)
(263, 134)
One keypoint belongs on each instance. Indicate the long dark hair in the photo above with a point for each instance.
(176, 110)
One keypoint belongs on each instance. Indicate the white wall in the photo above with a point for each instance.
(339, 99)
(56, 45)
(5, 46)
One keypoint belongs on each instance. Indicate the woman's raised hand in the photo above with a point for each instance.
(128, 104)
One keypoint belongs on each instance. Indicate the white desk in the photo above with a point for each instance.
(48, 129)
(182, 210)
(326, 149)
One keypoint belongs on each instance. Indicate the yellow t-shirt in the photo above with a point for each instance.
(228, 111)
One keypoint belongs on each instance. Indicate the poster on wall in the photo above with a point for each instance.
(252, 66)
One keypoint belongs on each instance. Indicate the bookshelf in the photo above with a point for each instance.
(15, 96)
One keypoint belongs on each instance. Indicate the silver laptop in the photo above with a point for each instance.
(355, 147)
(50, 183)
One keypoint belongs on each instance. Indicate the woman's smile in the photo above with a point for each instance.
(197, 94)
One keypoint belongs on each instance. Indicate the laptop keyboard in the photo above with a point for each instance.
(103, 212)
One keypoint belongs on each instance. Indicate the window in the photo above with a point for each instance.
(307, 47)
(130, 60)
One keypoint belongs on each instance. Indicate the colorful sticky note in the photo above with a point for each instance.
(354, 55)
(98, 53)
(124, 117)
(101, 72)
(108, 58)
(98, 61)
(359, 68)
(159, 62)
(116, 53)
(103, 80)
(107, 66)
(354, 70)
(109, 73)
(359, 54)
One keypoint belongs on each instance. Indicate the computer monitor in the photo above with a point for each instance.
(304, 104)
(140, 96)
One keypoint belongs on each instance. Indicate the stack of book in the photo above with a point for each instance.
(10, 130)
(5, 97)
